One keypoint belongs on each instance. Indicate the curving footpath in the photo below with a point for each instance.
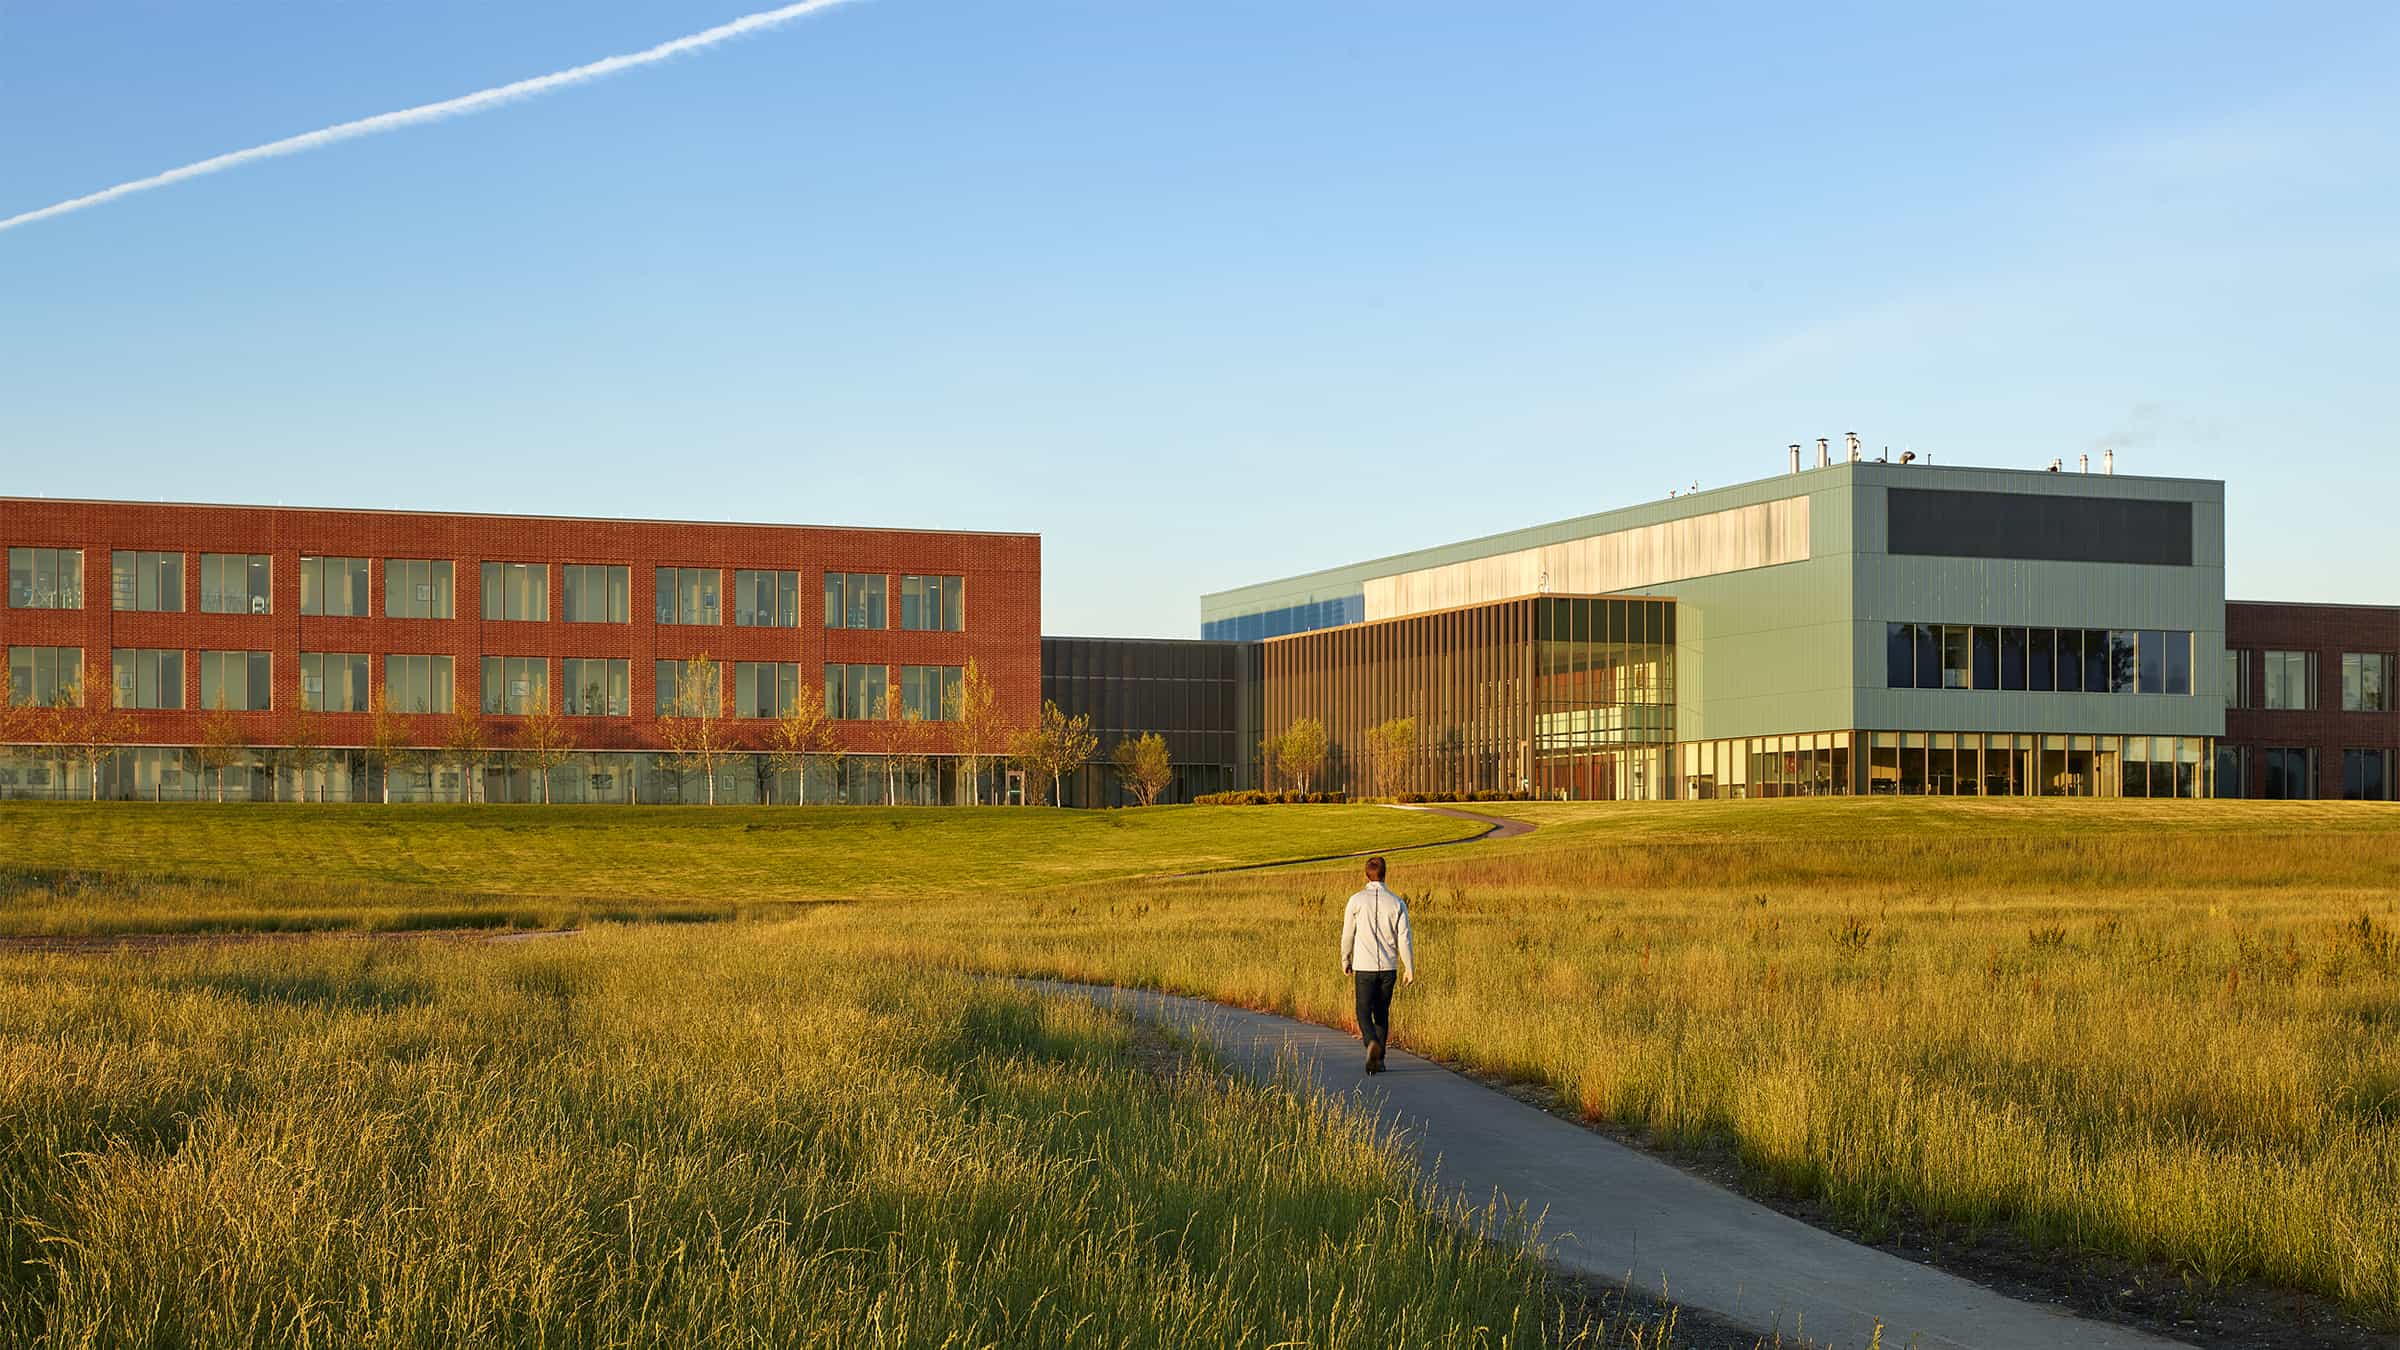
(1619, 1215)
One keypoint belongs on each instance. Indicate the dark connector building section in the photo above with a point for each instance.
(1203, 697)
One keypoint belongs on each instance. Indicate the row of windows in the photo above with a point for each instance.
(2039, 660)
(2289, 773)
(421, 588)
(2290, 680)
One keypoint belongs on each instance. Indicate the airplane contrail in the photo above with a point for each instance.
(435, 112)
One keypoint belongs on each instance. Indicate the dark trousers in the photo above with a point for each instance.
(1375, 1003)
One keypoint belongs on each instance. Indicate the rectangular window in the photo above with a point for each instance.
(333, 681)
(2123, 665)
(2012, 658)
(2366, 682)
(149, 678)
(236, 583)
(854, 600)
(2292, 681)
(2175, 661)
(856, 693)
(766, 599)
(2070, 660)
(764, 688)
(2096, 659)
(669, 675)
(598, 593)
(1929, 656)
(1987, 658)
(142, 580)
(933, 602)
(2233, 770)
(45, 676)
(930, 692)
(515, 685)
(335, 586)
(416, 588)
(2041, 660)
(239, 681)
(518, 592)
(2291, 773)
(1900, 655)
(2237, 684)
(2367, 775)
(598, 688)
(688, 595)
(1956, 672)
(45, 578)
(2149, 664)
(417, 684)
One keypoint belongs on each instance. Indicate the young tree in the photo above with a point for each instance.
(1055, 747)
(901, 738)
(91, 729)
(223, 744)
(1393, 743)
(804, 731)
(304, 748)
(392, 738)
(1142, 762)
(1302, 750)
(545, 739)
(465, 744)
(694, 724)
(978, 729)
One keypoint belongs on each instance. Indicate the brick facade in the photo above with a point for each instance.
(1001, 632)
(2329, 631)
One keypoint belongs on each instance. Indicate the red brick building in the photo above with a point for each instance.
(176, 609)
(2312, 709)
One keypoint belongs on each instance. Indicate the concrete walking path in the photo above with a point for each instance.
(1619, 1215)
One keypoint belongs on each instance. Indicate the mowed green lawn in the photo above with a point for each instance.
(128, 867)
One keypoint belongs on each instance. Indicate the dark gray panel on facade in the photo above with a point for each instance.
(1944, 523)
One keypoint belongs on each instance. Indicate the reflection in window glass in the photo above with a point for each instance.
(2150, 662)
(2121, 662)
(2012, 658)
(2175, 662)
(2291, 680)
(930, 692)
(2070, 660)
(2367, 775)
(1900, 655)
(2041, 668)
(2291, 773)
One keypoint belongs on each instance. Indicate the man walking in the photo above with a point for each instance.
(1375, 940)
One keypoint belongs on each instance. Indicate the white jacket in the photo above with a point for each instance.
(1375, 932)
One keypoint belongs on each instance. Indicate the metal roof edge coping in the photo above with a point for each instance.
(508, 515)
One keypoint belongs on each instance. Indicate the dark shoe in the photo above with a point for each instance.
(1374, 1057)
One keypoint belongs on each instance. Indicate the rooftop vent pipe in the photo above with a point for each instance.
(2108, 462)
(1908, 456)
(2084, 462)
(1795, 457)
(1824, 453)
(1852, 438)
(2057, 464)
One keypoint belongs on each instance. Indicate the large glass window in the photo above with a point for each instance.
(416, 588)
(2123, 664)
(2367, 775)
(669, 678)
(2150, 664)
(928, 602)
(515, 685)
(854, 600)
(598, 688)
(1956, 670)
(2041, 660)
(764, 688)
(334, 681)
(2237, 682)
(2012, 658)
(149, 677)
(2291, 680)
(417, 684)
(597, 593)
(516, 591)
(688, 595)
(2233, 770)
(334, 586)
(1900, 655)
(42, 676)
(2291, 773)
(45, 578)
(236, 583)
(2175, 663)
(929, 692)
(766, 599)
(2070, 661)
(239, 681)
(1987, 658)
(2366, 682)
(856, 692)
(142, 580)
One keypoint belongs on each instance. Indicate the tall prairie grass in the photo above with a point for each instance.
(2116, 1034)
(679, 1137)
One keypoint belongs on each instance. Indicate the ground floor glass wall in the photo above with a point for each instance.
(1948, 764)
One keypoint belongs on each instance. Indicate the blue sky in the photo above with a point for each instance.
(1208, 293)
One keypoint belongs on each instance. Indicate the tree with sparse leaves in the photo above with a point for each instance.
(223, 744)
(1144, 766)
(466, 742)
(1055, 747)
(694, 724)
(545, 739)
(1301, 750)
(91, 729)
(899, 738)
(977, 727)
(304, 749)
(1393, 744)
(803, 731)
(393, 739)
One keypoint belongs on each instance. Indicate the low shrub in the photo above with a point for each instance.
(1254, 797)
(1482, 795)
